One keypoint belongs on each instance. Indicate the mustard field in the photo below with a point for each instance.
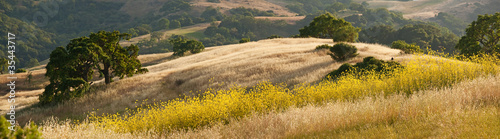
(216, 107)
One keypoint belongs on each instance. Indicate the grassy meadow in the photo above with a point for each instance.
(432, 96)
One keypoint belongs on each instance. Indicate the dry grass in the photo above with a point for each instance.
(466, 110)
(262, 5)
(289, 20)
(447, 113)
(290, 61)
(167, 33)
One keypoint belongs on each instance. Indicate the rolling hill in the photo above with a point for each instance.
(287, 60)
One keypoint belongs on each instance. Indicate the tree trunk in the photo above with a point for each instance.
(107, 78)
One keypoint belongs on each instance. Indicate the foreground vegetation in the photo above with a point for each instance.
(467, 109)
(211, 107)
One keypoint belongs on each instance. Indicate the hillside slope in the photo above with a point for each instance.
(287, 60)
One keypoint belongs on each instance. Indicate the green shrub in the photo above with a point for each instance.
(407, 48)
(181, 45)
(28, 132)
(343, 51)
(20, 70)
(324, 46)
(214, 1)
(244, 40)
(361, 68)
(274, 36)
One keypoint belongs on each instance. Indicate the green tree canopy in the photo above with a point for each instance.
(327, 26)
(407, 48)
(482, 36)
(182, 45)
(71, 68)
(368, 64)
(343, 51)
(163, 23)
(175, 24)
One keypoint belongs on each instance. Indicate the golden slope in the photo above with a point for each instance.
(286, 60)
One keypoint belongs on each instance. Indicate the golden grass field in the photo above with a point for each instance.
(466, 110)
(449, 98)
(290, 61)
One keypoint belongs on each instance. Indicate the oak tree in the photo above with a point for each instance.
(482, 36)
(71, 68)
(328, 26)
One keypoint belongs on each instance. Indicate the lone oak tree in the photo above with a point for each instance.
(327, 26)
(71, 68)
(482, 36)
(115, 60)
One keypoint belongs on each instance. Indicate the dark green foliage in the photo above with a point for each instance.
(424, 35)
(212, 14)
(20, 70)
(428, 36)
(380, 16)
(28, 132)
(357, 7)
(368, 64)
(407, 48)
(233, 28)
(327, 26)
(324, 46)
(343, 51)
(173, 6)
(163, 24)
(244, 40)
(156, 36)
(250, 12)
(335, 7)
(175, 24)
(152, 46)
(71, 68)
(274, 36)
(214, 1)
(182, 45)
(4, 63)
(305, 7)
(454, 24)
(133, 32)
(143, 29)
(185, 19)
(115, 59)
(32, 63)
(346, 67)
(31, 42)
(70, 18)
(482, 36)
(383, 34)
